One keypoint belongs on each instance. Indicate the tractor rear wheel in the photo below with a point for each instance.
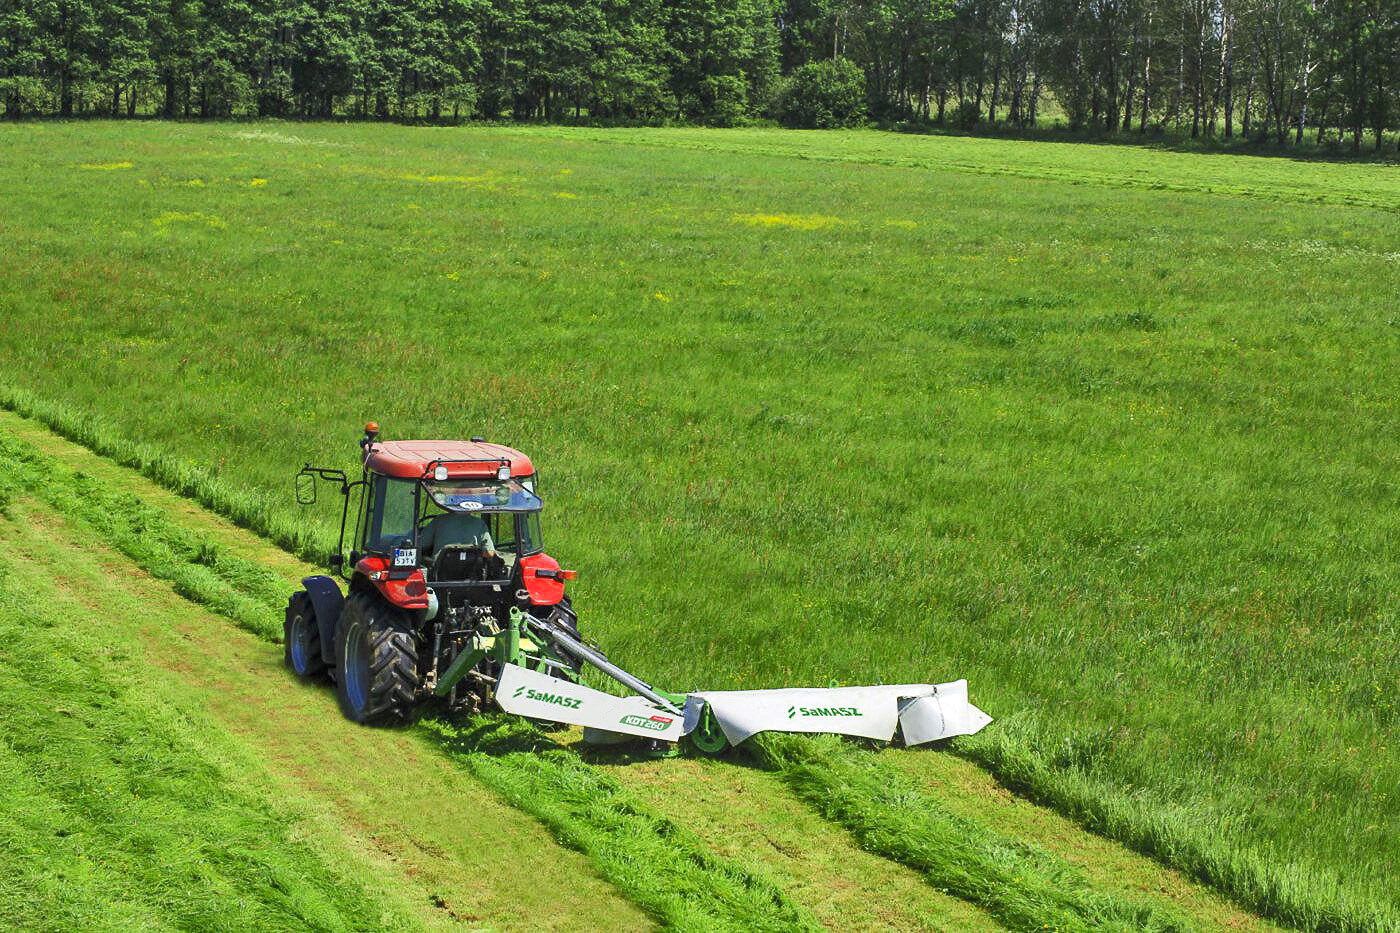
(302, 641)
(377, 657)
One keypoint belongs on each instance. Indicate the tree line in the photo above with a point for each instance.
(1280, 71)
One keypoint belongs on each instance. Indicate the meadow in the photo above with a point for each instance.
(1109, 432)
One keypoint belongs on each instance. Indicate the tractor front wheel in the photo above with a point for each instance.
(302, 641)
(378, 661)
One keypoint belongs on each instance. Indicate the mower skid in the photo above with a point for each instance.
(922, 712)
(539, 696)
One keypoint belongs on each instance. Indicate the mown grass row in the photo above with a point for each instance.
(120, 811)
(1309, 897)
(1024, 887)
(672, 872)
(656, 863)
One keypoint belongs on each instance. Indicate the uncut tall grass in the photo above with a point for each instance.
(1113, 436)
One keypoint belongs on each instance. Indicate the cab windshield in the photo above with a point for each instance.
(477, 495)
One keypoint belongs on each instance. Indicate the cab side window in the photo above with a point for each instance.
(391, 513)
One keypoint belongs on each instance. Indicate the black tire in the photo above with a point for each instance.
(377, 660)
(302, 640)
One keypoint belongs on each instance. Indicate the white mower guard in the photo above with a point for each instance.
(539, 696)
(922, 712)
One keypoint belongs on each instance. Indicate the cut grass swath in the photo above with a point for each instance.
(122, 812)
(198, 569)
(662, 866)
(1023, 887)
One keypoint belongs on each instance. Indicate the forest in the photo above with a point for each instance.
(1286, 73)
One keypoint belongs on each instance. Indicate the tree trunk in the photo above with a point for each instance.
(1180, 73)
(1146, 82)
(1127, 123)
(1303, 103)
(1249, 95)
(996, 90)
(1229, 77)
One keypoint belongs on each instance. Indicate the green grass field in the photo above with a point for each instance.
(1109, 432)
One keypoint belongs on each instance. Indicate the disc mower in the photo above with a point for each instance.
(449, 596)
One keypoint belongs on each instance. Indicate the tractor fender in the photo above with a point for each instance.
(539, 574)
(326, 602)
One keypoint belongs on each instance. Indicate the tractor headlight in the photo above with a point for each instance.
(440, 473)
(503, 471)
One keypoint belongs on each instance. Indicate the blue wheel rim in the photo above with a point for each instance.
(298, 646)
(356, 666)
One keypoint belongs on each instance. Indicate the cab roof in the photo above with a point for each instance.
(412, 459)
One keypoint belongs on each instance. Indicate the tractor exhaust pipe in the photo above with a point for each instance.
(581, 652)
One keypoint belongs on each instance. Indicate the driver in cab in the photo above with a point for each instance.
(459, 528)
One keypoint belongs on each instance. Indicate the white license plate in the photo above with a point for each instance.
(405, 557)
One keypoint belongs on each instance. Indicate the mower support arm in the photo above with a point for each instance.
(576, 649)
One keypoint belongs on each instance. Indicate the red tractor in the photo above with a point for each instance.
(451, 596)
(446, 556)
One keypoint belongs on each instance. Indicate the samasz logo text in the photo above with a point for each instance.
(795, 711)
(555, 698)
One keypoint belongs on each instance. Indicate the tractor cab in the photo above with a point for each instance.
(446, 524)
(445, 562)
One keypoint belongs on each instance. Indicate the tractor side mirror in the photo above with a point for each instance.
(306, 489)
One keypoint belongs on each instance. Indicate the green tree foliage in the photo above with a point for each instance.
(824, 94)
(1275, 72)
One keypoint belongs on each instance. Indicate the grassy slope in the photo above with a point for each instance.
(1118, 456)
(740, 814)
